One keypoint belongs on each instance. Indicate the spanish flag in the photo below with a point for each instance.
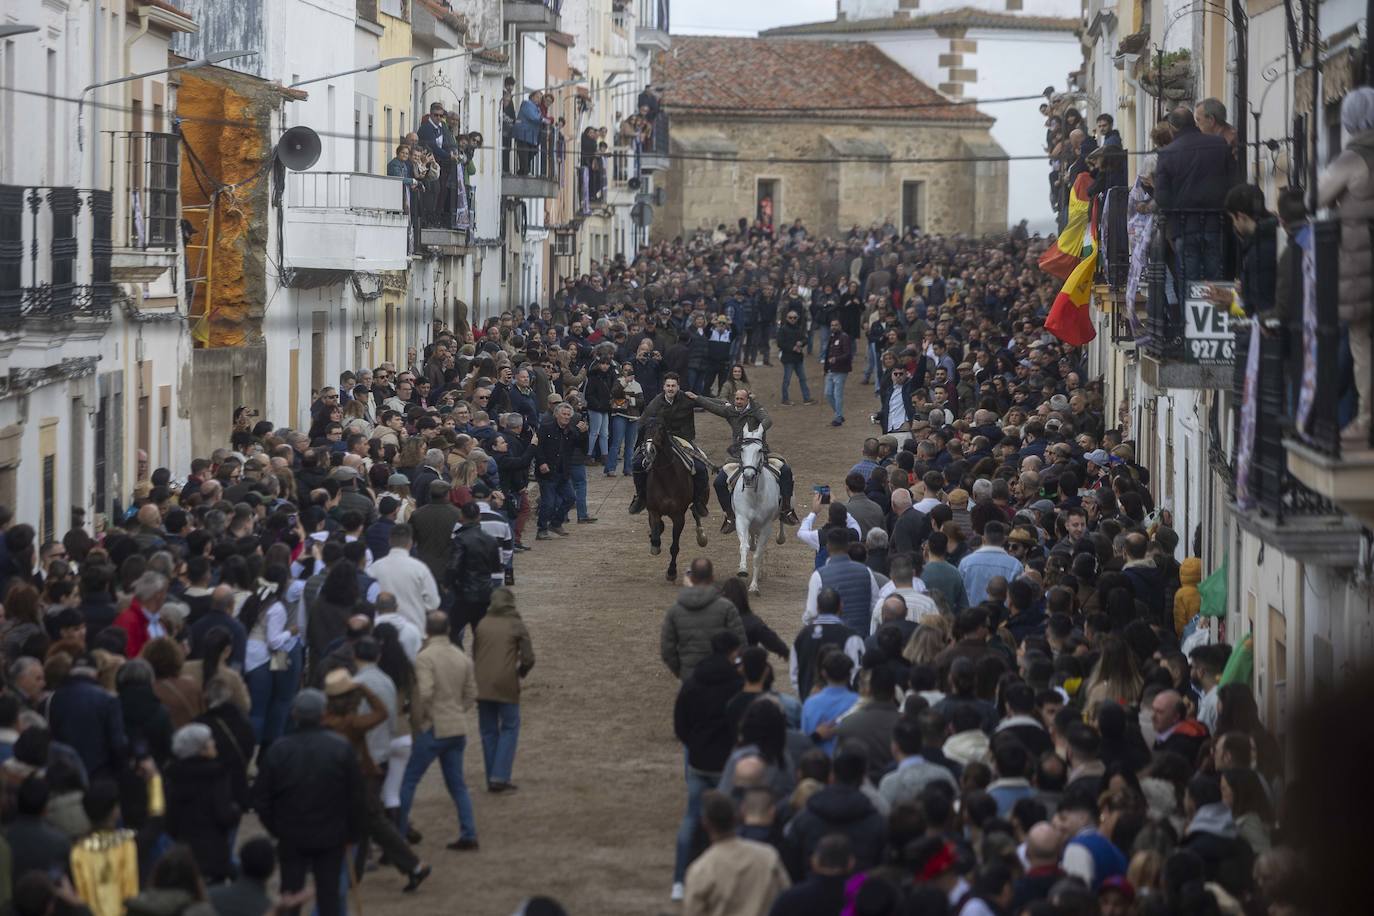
(1074, 242)
(1070, 319)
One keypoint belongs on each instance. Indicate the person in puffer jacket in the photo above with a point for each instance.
(1187, 600)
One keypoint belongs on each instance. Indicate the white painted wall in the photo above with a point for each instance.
(879, 9)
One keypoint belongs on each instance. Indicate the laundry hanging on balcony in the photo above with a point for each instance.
(1075, 243)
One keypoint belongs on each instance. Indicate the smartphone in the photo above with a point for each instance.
(824, 492)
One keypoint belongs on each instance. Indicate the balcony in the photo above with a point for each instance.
(145, 184)
(1339, 467)
(653, 155)
(531, 171)
(54, 256)
(532, 15)
(442, 217)
(345, 221)
(1268, 500)
(651, 25)
(435, 27)
(1188, 343)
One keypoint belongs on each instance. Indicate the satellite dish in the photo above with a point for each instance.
(299, 148)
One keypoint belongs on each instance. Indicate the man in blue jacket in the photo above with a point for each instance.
(529, 126)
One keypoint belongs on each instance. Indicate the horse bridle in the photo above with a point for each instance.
(751, 479)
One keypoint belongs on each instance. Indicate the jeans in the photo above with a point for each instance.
(872, 361)
(555, 497)
(579, 486)
(697, 380)
(499, 724)
(270, 693)
(599, 425)
(834, 392)
(423, 751)
(697, 784)
(622, 436)
(799, 369)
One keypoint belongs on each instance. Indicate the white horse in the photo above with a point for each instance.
(755, 500)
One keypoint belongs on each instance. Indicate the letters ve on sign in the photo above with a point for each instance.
(1208, 330)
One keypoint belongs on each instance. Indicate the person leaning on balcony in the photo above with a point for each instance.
(529, 124)
(400, 167)
(1348, 186)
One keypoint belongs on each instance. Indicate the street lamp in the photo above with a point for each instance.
(11, 29)
(460, 54)
(379, 65)
(207, 60)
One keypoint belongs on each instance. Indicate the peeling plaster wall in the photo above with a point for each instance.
(227, 119)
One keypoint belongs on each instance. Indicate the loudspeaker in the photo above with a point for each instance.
(299, 148)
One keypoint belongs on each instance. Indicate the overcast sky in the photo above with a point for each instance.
(745, 17)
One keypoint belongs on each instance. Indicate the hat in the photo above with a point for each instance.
(1028, 364)
(398, 480)
(1017, 536)
(1098, 457)
(343, 472)
(958, 498)
(338, 682)
(1059, 403)
(889, 441)
(173, 612)
(1043, 506)
(1053, 425)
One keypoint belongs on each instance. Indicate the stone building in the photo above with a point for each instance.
(832, 133)
(996, 51)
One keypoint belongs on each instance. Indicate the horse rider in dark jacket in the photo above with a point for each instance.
(741, 412)
(675, 412)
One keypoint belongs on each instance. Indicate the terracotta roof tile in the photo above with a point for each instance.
(711, 73)
(969, 18)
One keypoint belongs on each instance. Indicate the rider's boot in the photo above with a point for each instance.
(641, 482)
(789, 515)
(701, 490)
(785, 483)
(727, 526)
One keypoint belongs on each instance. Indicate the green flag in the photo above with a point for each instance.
(1241, 663)
(1213, 590)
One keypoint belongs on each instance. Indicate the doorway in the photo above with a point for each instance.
(913, 192)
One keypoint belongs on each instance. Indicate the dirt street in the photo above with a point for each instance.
(599, 771)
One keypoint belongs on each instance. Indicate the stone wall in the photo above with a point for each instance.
(706, 189)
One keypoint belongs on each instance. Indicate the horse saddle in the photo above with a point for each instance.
(685, 452)
(733, 470)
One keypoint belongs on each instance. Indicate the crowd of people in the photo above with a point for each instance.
(989, 708)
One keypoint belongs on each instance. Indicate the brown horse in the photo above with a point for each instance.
(668, 493)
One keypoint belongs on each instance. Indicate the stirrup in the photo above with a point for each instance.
(636, 505)
(789, 516)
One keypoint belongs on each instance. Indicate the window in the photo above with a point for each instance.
(913, 195)
(357, 140)
(389, 138)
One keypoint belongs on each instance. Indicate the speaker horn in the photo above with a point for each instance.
(299, 148)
